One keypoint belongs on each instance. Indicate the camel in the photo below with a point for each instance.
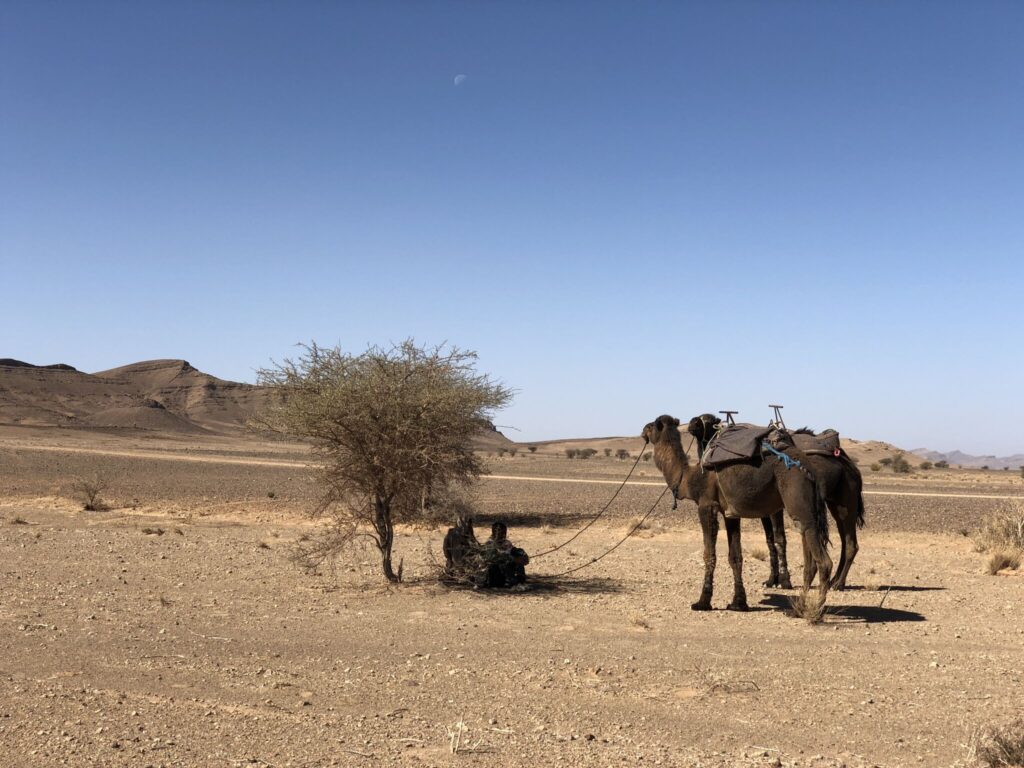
(702, 428)
(753, 490)
(841, 485)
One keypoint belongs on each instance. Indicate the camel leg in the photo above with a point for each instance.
(779, 532)
(769, 537)
(709, 525)
(809, 564)
(739, 597)
(848, 531)
(816, 558)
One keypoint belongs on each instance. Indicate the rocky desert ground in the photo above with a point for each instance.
(172, 628)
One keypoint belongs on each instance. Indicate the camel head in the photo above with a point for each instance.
(703, 427)
(660, 428)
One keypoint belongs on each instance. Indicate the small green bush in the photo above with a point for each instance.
(925, 465)
(876, 467)
(942, 464)
(622, 453)
(900, 465)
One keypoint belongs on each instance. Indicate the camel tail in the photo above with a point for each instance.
(856, 483)
(820, 513)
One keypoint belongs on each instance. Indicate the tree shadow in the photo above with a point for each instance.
(544, 585)
(869, 614)
(520, 519)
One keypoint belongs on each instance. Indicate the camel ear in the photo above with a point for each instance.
(658, 425)
(676, 422)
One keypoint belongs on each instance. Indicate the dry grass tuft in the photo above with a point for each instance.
(808, 606)
(759, 553)
(1002, 535)
(999, 746)
(1002, 559)
(639, 621)
(646, 528)
(711, 680)
(1002, 529)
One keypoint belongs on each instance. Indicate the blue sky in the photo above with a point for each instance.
(625, 208)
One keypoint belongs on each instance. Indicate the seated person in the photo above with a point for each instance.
(460, 545)
(506, 563)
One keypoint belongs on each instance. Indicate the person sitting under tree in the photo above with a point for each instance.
(506, 563)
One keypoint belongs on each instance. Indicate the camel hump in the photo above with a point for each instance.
(824, 444)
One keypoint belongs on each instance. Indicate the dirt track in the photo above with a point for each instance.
(199, 643)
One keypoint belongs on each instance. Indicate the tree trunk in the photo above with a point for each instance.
(385, 537)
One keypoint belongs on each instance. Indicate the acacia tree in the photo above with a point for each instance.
(389, 427)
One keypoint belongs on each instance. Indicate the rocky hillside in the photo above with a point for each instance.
(156, 395)
(159, 396)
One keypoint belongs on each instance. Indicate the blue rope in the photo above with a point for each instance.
(789, 462)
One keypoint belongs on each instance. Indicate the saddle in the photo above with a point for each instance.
(735, 444)
(824, 444)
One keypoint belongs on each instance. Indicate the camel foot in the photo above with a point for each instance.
(771, 583)
(839, 586)
(786, 584)
(736, 605)
(701, 605)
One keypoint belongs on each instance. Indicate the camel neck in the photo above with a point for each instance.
(673, 462)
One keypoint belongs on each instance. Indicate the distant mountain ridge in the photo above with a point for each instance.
(155, 395)
(165, 396)
(961, 459)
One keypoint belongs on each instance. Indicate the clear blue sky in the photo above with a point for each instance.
(625, 208)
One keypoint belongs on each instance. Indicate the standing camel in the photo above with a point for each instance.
(841, 485)
(755, 489)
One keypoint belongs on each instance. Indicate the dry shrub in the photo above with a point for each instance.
(712, 680)
(639, 621)
(1000, 746)
(88, 489)
(645, 528)
(1002, 559)
(759, 553)
(809, 606)
(1004, 528)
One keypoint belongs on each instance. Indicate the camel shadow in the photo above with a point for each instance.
(894, 588)
(869, 614)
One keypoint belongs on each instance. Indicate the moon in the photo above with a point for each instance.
(459, 80)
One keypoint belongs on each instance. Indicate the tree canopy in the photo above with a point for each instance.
(389, 426)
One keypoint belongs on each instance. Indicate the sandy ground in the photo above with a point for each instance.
(174, 631)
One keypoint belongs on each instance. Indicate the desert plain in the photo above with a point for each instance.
(173, 629)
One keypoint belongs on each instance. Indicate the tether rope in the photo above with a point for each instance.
(618, 544)
(603, 509)
(629, 533)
